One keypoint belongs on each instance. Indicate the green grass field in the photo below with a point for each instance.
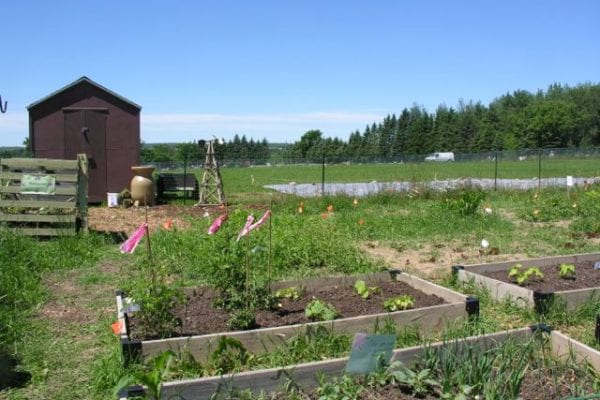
(252, 179)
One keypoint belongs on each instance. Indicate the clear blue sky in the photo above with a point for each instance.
(276, 69)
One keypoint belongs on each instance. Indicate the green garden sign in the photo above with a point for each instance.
(38, 184)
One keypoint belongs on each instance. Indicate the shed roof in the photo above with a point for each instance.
(78, 82)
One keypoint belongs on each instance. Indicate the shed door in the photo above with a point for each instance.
(85, 132)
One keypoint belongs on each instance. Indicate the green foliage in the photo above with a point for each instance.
(158, 293)
(342, 388)
(242, 319)
(25, 260)
(314, 344)
(152, 377)
(291, 293)
(365, 291)
(419, 383)
(465, 202)
(317, 310)
(566, 271)
(522, 277)
(550, 206)
(403, 302)
(229, 356)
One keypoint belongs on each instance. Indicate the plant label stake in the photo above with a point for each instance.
(370, 353)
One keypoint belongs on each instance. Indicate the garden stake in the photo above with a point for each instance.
(148, 233)
(270, 242)
(149, 247)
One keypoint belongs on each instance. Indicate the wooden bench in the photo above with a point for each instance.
(173, 183)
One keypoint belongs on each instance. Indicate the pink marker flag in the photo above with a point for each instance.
(261, 221)
(217, 223)
(131, 243)
(246, 229)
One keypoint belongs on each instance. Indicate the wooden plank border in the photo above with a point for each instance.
(457, 307)
(268, 381)
(522, 296)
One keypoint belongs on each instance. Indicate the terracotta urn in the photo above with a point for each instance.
(142, 186)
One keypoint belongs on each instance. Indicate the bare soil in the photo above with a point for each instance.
(585, 277)
(126, 220)
(430, 261)
(200, 317)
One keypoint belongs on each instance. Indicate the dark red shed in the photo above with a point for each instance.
(85, 117)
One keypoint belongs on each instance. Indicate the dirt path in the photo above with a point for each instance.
(70, 330)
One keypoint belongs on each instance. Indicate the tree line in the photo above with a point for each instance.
(239, 148)
(558, 117)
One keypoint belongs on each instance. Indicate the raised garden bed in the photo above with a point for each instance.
(304, 376)
(435, 306)
(538, 292)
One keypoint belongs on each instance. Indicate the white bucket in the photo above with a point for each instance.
(113, 199)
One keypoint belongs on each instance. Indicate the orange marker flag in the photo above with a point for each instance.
(117, 327)
(168, 224)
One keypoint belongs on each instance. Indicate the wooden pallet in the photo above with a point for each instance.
(60, 212)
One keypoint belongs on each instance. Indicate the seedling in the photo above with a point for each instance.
(403, 302)
(365, 291)
(419, 383)
(291, 293)
(316, 310)
(520, 277)
(566, 271)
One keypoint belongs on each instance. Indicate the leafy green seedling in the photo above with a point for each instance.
(420, 383)
(291, 293)
(365, 291)
(316, 310)
(242, 319)
(152, 378)
(403, 302)
(566, 271)
(520, 277)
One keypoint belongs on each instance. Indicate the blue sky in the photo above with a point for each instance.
(276, 69)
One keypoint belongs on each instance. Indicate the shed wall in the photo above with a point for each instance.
(47, 136)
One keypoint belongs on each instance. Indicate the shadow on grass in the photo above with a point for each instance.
(10, 375)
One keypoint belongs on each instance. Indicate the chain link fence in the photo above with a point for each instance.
(359, 176)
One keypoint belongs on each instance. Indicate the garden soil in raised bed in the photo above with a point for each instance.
(585, 277)
(199, 317)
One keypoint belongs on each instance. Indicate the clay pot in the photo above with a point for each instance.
(142, 186)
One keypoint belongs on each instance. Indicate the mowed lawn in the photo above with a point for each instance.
(253, 179)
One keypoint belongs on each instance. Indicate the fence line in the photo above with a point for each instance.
(505, 155)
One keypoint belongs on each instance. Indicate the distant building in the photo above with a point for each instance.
(85, 117)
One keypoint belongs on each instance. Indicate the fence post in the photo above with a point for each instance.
(539, 170)
(323, 177)
(496, 171)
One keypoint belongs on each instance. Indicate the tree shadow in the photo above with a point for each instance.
(10, 374)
